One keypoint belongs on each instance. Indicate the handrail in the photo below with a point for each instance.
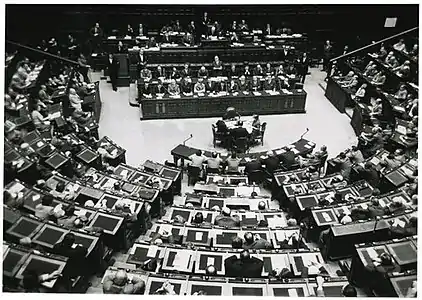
(44, 53)
(373, 44)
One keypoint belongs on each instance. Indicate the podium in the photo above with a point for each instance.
(123, 78)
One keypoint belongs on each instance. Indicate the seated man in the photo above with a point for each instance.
(146, 74)
(44, 210)
(159, 73)
(174, 74)
(400, 46)
(220, 87)
(409, 229)
(173, 88)
(255, 242)
(245, 266)
(62, 193)
(255, 85)
(288, 158)
(217, 66)
(199, 87)
(271, 163)
(214, 163)
(379, 79)
(401, 94)
(233, 86)
(119, 283)
(232, 164)
(42, 94)
(186, 85)
(243, 84)
(225, 219)
(203, 72)
(403, 70)
(258, 71)
(269, 84)
(75, 254)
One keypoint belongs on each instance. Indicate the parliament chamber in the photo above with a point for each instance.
(94, 204)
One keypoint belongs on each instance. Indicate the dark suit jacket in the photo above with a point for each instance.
(113, 67)
(239, 132)
(249, 268)
(287, 159)
(271, 164)
(253, 165)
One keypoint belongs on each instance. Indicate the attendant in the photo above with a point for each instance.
(174, 74)
(72, 45)
(233, 86)
(233, 163)
(173, 88)
(328, 51)
(243, 84)
(186, 85)
(121, 48)
(203, 72)
(243, 26)
(255, 85)
(269, 71)
(142, 30)
(258, 71)
(217, 66)
(268, 30)
(113, 66)
(226, 220)
(142, 60)
(186, 72)
(214, 163)
(245, 266)
(269, 84)
(400, 46)
(247, 72)
(233, 72)
(159, 73)
(199, 87)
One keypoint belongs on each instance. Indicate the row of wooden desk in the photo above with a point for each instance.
(211, 105)
(182, 152)
(215, 286)
(181, 259)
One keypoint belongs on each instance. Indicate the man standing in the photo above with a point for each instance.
(113, 70)
(304, 67)
(328, 51)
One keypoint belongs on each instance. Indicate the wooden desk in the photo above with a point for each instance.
(208, 106)
(338, 96)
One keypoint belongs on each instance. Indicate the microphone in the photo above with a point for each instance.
(190, 136)
(307, 130)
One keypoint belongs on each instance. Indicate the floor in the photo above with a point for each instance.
(154, 139)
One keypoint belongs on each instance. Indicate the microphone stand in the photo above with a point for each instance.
(307, 130)
(190, 136)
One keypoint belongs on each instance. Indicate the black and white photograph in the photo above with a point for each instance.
(210, 149)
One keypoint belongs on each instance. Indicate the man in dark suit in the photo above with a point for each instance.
(288, 158)
(245, 266)
(113, 70)
(159, 72)
(96, 36)
(239, 131)
(121, 48)
(271, 163)
(303, 67)
(286, 54)
(220, 87)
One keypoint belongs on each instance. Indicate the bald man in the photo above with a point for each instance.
(225, 219)
(119, 283)
(245, 266)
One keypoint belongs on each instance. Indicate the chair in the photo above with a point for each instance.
(240, 145)
(262, 132)
(218, 136)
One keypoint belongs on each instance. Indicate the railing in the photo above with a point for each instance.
(374, 44)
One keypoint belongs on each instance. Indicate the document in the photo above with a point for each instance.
(181, 261)
(210, 261)
(276, 222)
(326, 217)
(36, 197)
(346, 210)
(152, 251)
(124, 173)
(165, 229)
(199, 235)
(279, 151)
(292, 293)
(16, 188)
(372, 253)
(250, 215)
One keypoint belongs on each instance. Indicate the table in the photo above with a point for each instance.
(233, 202)
(209, 106)
(401, 284)
(324, 217)
(254, 287)
(140, 253)
(155, 282)
(89, 157)
(110, 223)
(213, 286)
(116, 151)
(177, 260)
(282, 234)
(204, 258)
(13, 259)
(49, 235)
(223, 238)
(290, 289)
(56, 161)
(197, 236)
(227, 179)
(338, 96)
(25, 227)
(300, 260)
(274, 261)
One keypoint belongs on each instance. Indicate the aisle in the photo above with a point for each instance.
(154, 139)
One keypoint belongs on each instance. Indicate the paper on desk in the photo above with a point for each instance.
(326, 217)
(292, 293)
(210, 261)
(40, 144)
(181, 260)
(401, 129)
(247, 159)
(36, 197)
(16, 188)
(55, 115)
(399, 223)
(245, 93)
(276, 222)
(346, 210)
(114, 152)
(152, 251)
(199, 235)
(249, 215)
(94, 54)
(279, 151)
(81, 212)
(295, 151)
(165, 229)
(123, 173)
(257, 93)
(263, 157)
(372, 253)
(308, 146)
